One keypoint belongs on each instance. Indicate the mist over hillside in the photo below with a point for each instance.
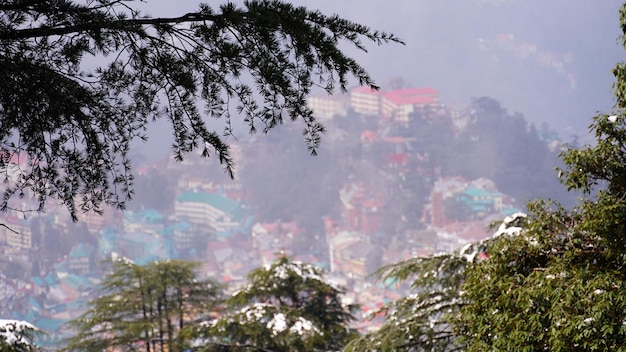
(453, 46)
(550, 61)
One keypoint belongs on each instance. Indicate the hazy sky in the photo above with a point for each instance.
(549, 60)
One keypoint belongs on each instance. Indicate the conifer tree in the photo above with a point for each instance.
(286, 306)
(417, 322)
(67, 127)
(560, 285)
(18, 336)
(424, 319)
(154, 307)
(552, 282)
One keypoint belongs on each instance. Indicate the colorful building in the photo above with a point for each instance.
(400, 103)
(210, 209)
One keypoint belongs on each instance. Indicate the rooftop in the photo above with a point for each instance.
(412, 96)
(215, 200)
(366, 90)
(81, 250)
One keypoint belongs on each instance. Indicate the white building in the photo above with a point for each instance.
(365, 100)
(325, 106)
(397, 104)
(16, 233)
(210, 209)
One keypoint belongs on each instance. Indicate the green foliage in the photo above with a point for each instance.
(287, 306)
(417, 322)
(556, 286)
(423, 320)
(560, 284)
(260, 61)
(18, 336)
(505, 148)
(456, 209)
(156, 307)
(429, 134)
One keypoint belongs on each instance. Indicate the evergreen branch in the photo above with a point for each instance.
(115, 25)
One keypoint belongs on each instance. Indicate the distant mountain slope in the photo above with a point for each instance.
(443, 50)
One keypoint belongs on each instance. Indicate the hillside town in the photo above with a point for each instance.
(51, 265)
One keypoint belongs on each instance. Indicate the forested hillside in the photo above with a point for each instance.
(483, 140)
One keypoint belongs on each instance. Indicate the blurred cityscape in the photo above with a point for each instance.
(399, 174)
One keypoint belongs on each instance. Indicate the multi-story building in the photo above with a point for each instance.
(209, 209)
(396, 104)
(365, 100)
(96, 222)
(81, 258)
(400, 103)
(145, 220)
(16, 233)
(361, 210)
(352, 255)
(326, 106)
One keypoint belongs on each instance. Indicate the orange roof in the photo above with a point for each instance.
(412, 96)
(369, 135)
(366, 90)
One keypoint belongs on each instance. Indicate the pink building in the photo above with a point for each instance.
(397, 104)
(400, 103)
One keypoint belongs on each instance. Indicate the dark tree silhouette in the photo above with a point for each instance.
(66, 128)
